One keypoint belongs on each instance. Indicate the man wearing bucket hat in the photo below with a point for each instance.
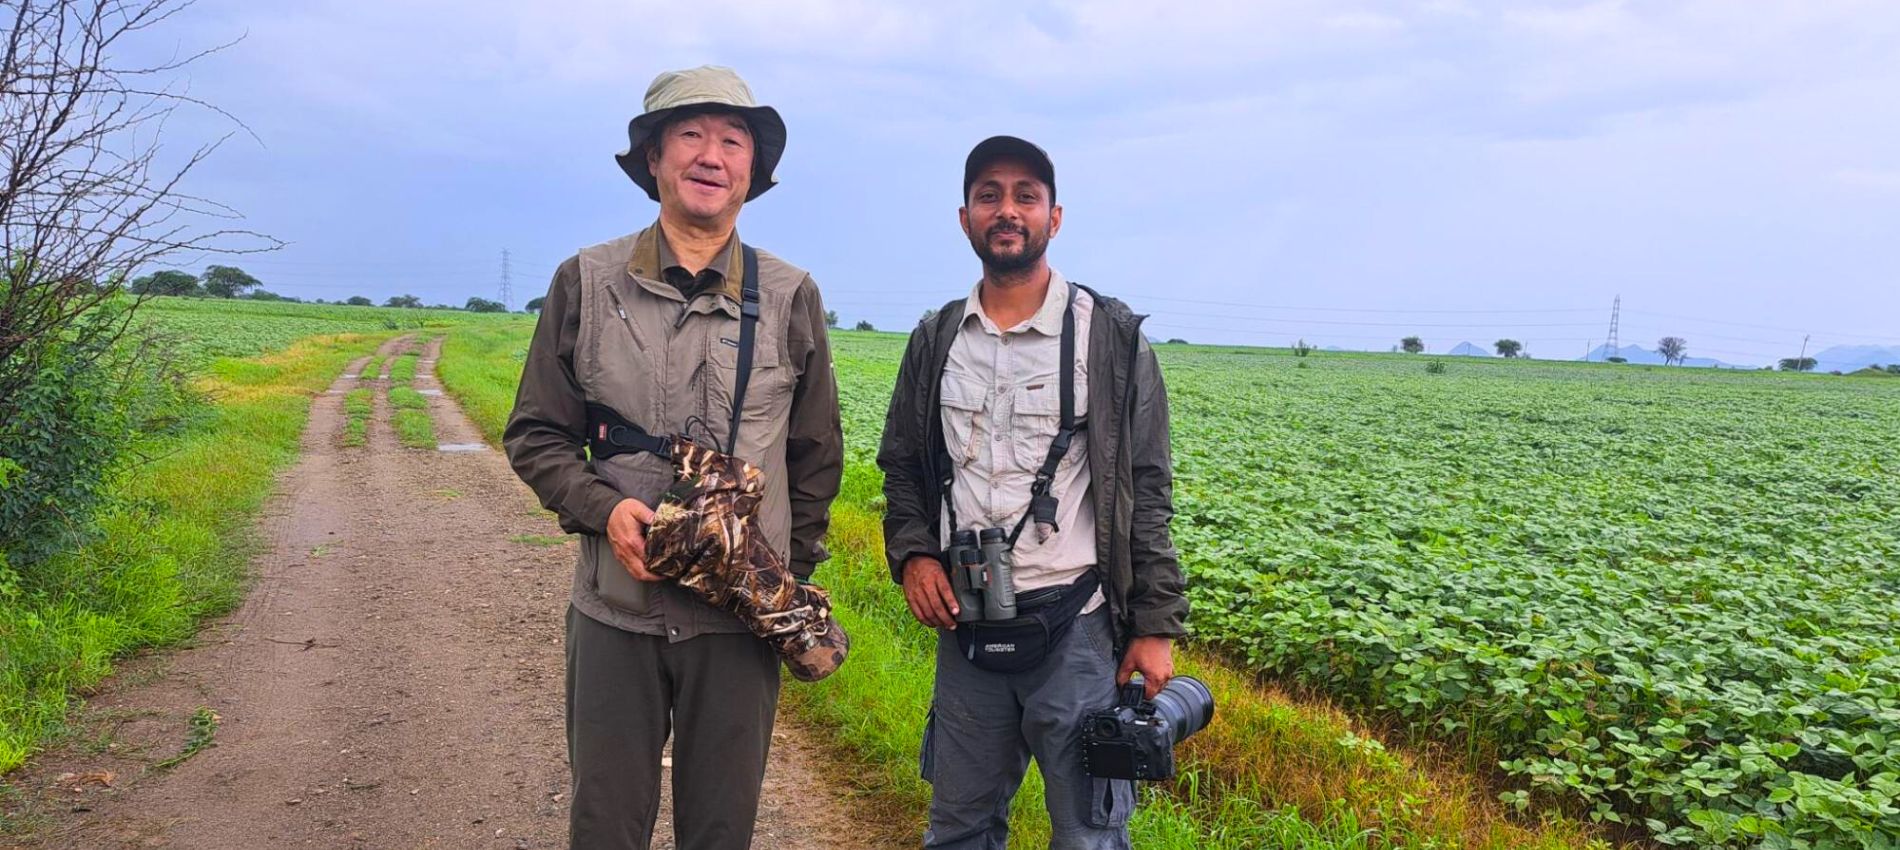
(1031, 417)
(678, 329)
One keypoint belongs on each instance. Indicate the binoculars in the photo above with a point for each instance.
(983, 575)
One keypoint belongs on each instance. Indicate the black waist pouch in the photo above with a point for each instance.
(1019, 644)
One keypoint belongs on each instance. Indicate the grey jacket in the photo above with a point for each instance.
(1129, 460)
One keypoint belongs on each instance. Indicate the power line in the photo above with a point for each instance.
(1889, 338)
(1285, 334)
(1299, 321)
(1397, 310)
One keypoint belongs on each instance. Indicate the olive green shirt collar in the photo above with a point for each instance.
(652, 255)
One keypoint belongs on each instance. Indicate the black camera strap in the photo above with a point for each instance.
(1042, 503)
(609, 433)
(748, 319)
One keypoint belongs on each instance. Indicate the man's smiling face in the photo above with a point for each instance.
(703, 165)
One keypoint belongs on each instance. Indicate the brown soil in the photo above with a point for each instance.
(394, 679)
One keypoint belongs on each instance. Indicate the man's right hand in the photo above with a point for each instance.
(627, 531)
(928, 592)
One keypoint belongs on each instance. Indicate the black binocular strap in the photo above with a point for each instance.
(609, 433)
(1042, 505)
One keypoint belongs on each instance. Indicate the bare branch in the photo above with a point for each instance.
(84, 201)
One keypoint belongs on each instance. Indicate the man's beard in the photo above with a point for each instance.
(1004, 264)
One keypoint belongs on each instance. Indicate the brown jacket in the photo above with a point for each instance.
(1130, 466)
(614, 332)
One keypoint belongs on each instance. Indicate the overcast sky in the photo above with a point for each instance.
(1247, 172)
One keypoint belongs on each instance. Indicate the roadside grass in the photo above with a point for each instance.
(372, 370)
(405, 398)
(402, 369)
(1270, 772)
(358, 406)
(548, 540)
(414, 428)
(172, 547)
(481, 366)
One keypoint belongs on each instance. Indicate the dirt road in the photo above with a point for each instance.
(394, 679)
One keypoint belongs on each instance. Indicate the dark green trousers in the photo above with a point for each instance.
(715, 694)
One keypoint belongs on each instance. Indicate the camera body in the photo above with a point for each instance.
(1135, 738)
(982, 574)
(1128, 740)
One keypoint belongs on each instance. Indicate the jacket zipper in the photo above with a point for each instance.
(622, 310)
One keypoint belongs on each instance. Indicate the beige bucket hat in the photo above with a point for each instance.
(712, 88)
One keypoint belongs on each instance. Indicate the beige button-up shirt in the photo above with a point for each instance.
(1001, 407)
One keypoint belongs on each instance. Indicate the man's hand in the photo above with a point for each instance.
(627, 531)
(1153, 658)
(928, 592)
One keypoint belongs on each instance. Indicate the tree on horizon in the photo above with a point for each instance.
(1673, 349)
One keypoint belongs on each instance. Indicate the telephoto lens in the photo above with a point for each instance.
(1187, 705)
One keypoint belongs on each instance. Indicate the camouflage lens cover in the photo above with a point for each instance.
(705, 535)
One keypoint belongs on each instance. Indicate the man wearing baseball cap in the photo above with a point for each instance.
(1033, 409)
(678, 329)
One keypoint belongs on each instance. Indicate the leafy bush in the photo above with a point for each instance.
(94, 399)
(1436, 367)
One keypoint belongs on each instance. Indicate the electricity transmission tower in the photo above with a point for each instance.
(1616, 315)
(505, 281)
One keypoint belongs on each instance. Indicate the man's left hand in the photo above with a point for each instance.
(1153, 658)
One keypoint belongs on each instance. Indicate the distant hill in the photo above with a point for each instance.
(1639, 354)
(1848, 358)
(1466, 349)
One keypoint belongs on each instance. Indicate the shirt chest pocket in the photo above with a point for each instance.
(768, 392)
(1036, 415)
(965, 404)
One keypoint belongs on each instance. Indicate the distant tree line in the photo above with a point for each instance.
(233, 282)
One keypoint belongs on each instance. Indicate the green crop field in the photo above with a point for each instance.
(224, 327)
(1670, 594)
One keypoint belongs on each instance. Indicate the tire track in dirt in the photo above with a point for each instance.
(393, 680)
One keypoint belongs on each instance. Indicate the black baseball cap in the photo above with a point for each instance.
(1008, 147)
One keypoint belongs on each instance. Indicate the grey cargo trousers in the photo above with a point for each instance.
(984, 727)
(716, 694)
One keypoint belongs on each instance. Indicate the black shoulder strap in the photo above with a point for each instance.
(1042, 503)
(748, 319)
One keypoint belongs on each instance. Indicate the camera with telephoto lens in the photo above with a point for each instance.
(1135, 738)
(982, 574)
